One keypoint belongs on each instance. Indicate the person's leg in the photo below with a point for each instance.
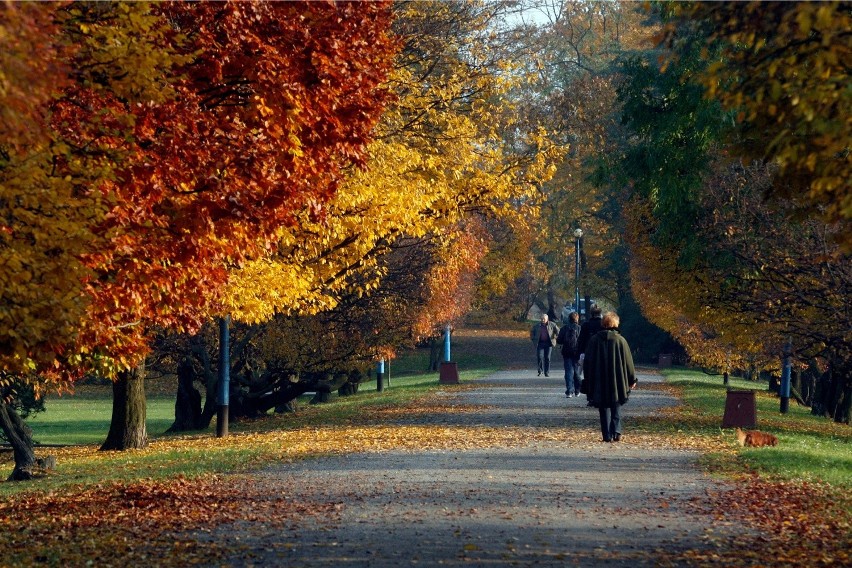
(539, 352)
(575, 365)
(605, 412)
(547, 350)
(569, 375)
(615, 422)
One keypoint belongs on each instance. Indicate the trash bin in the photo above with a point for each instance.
(740, 409)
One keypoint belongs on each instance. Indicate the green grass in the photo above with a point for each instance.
(809, 447)
(73, 420)
(84, 419)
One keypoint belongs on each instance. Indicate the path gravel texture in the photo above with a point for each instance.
(569, 499)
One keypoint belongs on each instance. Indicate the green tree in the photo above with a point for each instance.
(783, 69)
(569, 51)
(731, 276)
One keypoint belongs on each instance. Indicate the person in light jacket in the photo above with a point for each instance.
(608, 366)
(544, 335)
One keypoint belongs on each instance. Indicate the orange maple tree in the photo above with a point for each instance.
(265, 113)
(196, 130)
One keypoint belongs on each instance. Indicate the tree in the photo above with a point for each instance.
(783, 69)
(439, 165)
(731, 276)
(46, 224)
(255, 154)
(175, 132)
(569, 56)
(45, 220)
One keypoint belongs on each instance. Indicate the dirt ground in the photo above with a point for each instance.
(556, 495)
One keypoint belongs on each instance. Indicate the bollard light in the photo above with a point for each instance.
(380, 375)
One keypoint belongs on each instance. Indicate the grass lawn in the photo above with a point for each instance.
(810, 448)
(85, 420)
(82, 422)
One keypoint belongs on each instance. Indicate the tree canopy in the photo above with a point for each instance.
(189, 155)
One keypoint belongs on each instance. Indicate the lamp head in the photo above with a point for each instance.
(578, 232)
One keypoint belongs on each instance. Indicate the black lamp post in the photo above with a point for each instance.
(578, 233)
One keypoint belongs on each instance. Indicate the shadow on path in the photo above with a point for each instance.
(568, 498)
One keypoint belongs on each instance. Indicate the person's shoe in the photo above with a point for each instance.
(616, 438)
(546, 374)
(539, 373)
(607, 440)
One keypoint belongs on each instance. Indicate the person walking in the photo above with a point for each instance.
(568, 338)
(589, 328)
(544, 336)
(608, 366)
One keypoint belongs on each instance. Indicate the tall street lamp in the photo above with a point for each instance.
(578, 233)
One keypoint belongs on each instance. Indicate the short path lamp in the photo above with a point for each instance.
(380, 375)
(449, 372)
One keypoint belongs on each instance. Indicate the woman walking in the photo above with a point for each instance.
(608, 366)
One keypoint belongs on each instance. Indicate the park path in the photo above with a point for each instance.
(551, 501)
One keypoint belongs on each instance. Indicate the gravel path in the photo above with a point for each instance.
(571, 499)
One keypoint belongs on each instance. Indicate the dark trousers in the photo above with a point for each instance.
(572, 376)
(610, 421)
(543, 353)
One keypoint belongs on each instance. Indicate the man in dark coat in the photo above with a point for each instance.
(589, 328)
(568, 339)
(544, 335)
(608, 366)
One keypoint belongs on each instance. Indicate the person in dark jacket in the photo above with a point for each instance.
(589, 328)
(568, 338)
(608, 366)
(544, 336)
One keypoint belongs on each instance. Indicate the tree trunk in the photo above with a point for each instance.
(127, 430)
(843, 391)
(774, 384)
(551, 304)
(20, 438)
(844, 408)
(435, 345)
(210, 407)
(796, 383)
(321, 397)
(188, 401)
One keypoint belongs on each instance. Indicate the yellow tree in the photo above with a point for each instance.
(569, 56)
(440, 159)
(45, 220)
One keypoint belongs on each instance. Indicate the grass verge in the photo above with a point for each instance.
(810, 448)
(82, 422)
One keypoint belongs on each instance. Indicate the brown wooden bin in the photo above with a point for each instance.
(740, 409)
